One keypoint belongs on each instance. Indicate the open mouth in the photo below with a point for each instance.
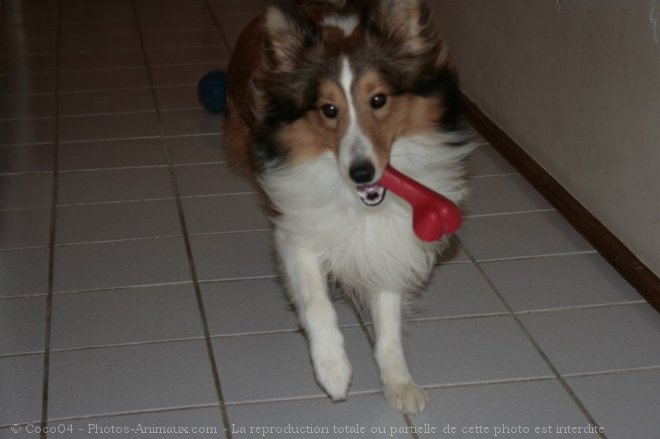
(371, 194)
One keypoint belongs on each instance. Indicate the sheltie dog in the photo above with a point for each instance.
(322, 95)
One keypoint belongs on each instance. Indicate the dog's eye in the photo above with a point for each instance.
(329, 111)
(378, 101)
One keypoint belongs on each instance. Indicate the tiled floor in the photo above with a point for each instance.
(137, 285)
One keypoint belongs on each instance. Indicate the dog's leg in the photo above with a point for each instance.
(401, 392)
(308, 289)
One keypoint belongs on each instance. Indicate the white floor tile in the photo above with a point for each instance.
(601, 339)
(470, 350)
(512, 410)
(275, 366)
(114, 185)
(502, 194)
(557, 282)
(210, 180)
(116, 221)
(23, 191)
(23, 272)
(167, 312)
(120, 264)
(22, 325)
(24, 228)
(230, 256)
(364, 416)
(456, 290)
(256, 305)
(21, 380)
(191, 423)
(129, 378)
(226, 213)
(625, 405)
(520, 235)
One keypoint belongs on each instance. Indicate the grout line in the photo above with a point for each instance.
(18, 173)
(112, 113)
(52, 237)
(184, 228)
(132, 200)
(142, 200)
(226, 194)
(13, 249)
(457, 262)
(283, 331)
(100, 139)
(230, 232)
(136, 20)
(13, 145)
(485, 176)
(136, 412)
(147, 238)
(217, 26)
(322, 396)
(16, 95)
(174, 109)
(512, 213)
(104, 203)
(183, 136)
(522, 258)
(18, 119)
(126, 344)
(491, 382)
(106, 90)
(139, 66)
(237, 279)
(24, 296)
(200, 281)
(121, 168)
(611, 372)
(116, 241)
(22, 354)
(129, 344)
(318, 396)
(582, 307)
(115, 168)
(136, 87)
(535, 344)
(220, 64)
(105, 139)
(122, 287)
(456, 317)
(107, 113)
(87, 50)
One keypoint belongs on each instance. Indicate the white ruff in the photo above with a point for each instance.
(368, 249)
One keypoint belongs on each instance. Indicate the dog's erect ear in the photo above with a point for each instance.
(287, 31)
(404, 23)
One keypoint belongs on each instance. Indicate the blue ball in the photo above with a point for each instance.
(212, 91)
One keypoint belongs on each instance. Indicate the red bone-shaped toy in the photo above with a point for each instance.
(433, 214)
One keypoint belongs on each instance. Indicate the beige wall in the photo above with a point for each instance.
(577, 84)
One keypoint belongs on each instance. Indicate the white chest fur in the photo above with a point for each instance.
(366, 248)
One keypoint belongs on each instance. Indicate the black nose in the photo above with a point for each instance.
(362, 172)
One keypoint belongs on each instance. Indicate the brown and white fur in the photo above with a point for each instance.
(322, 95)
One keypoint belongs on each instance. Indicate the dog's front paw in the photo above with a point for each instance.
(406, 397)
(334, 375)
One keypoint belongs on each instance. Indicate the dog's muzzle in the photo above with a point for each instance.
(371, 194)
(362, 173)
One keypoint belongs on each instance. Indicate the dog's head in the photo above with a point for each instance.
(350, 77)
